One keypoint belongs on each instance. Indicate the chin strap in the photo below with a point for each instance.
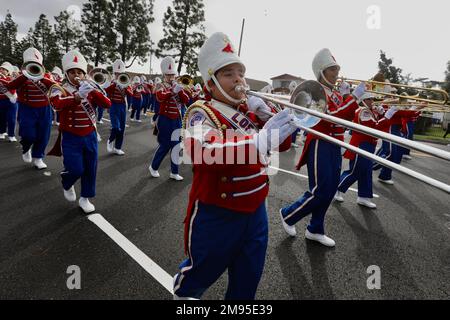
(326, 81)
(226, 95)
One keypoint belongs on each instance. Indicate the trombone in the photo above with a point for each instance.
(443, 93)
(310, 98)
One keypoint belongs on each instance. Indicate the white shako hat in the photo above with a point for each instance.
(323, 60)
(74, 59)
(118, 66)
(168, 66)
(32, 55)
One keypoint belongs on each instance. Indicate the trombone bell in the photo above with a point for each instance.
(311, 95)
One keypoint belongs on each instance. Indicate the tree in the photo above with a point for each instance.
(8, 40)
(390, 72)
(98, 44)
(446, 84)
(131, 23)
(44, 39)
(184, 33)
(68, 31)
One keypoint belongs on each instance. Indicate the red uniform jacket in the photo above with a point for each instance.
(73, 118)
(4, 80)
(337, 107)
(364, 116)
(229, 171)
(168, 104)
(118, 95)
(33, 94)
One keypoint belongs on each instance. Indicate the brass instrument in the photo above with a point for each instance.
(186, 80)
(443, 93)
(33, 71)
(100, 76)
(92, 83)
(310, 98)
(123, 80)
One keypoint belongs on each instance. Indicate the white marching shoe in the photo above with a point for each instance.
(339, 196)
(176, 177)
(389, 182)
(154, 173)
(86, 205)
(110, 146)
(366, 203)
(407, 157)
(290, 230)
(2, 136)
(70, 194)
(39, 164)
(119, 152)
(12, 139)
(27, 156)
(321, 238)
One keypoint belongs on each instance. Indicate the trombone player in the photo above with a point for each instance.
(35, 115)
(360, 168)
(118, 92)
(322, 158)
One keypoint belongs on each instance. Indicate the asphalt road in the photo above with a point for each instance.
(41, 234)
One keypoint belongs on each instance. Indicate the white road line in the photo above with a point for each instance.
(306, 177)
(107, 120)
(160, 275)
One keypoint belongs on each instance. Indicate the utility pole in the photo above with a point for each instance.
(242, 34)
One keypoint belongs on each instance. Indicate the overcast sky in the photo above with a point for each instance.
(282, 36)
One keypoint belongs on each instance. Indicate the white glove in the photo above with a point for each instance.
(274, 132)
(12, 97)
(258, 107)
(359, 90)
(379, 110)
(390, 113)
(344, 88)
(84, 89)
(177, 88)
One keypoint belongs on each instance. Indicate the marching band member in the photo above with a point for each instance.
(136, 100)
(155, 107)
(408, 124)
(8, 104)
(79, 146)
(145, 95)
(226, 225)
(35, 116)
(118, 94)
(169, 94)
(360, 168)
(392, 151)
(58, 77)
(323, 158)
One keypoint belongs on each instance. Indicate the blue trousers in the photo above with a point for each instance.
(395, 155)
(166, 127)
(145, 102)
(8, 115)
(409, 134)
(360, 169)
(118, 115)
(136, 108)
(34, 129)
(156, 109)
(222, 239)
(80, 161)
(99, 113)
(324, 171)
